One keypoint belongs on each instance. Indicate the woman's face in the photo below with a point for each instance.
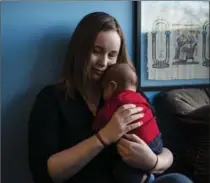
(105, 53)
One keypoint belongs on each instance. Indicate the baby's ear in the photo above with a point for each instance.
(113, 85)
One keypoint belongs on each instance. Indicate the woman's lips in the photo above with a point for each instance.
(98, 71)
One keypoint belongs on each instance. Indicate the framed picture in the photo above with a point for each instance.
(172, 44)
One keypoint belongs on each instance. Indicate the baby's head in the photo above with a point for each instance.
(118, 77)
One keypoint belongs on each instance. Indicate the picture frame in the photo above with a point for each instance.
(141, 49)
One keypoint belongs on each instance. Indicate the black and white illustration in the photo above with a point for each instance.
(160, 44)
(177, 43)
(186, 48)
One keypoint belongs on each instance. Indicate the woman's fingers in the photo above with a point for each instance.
(123, 143)
(125, 107)
(131, 111)
(134, 138)
(121, 149)
(133, 126)
(133, 118)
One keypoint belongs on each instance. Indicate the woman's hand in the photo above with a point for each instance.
(120, 123)
(135, 152)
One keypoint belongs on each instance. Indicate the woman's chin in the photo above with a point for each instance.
(96, 77)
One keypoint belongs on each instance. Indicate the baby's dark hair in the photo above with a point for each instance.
(123, 74)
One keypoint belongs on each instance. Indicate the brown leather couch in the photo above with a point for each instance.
(183, 116)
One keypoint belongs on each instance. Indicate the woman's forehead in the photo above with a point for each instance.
(108, 40)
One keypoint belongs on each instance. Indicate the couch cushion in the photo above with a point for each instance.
(185, 101)
(200, 115)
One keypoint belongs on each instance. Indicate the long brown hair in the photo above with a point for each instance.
(76, 70)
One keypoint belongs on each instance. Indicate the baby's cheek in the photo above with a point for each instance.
(105, 94)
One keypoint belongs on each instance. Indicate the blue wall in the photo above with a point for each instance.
(34, 41)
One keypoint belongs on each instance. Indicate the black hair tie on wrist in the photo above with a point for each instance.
(154, 165)
(100, 139)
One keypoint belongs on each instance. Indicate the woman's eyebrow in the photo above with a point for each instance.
(102, 48)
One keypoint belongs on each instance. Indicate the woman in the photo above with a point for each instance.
(62, 146)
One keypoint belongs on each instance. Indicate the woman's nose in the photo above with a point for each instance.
(103, 61)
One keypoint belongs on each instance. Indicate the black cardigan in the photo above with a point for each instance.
(56, 124)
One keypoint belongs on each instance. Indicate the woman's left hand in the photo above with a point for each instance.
(135, 152)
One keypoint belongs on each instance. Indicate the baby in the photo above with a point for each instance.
(119, 85)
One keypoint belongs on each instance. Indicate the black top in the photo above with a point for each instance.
(56, 124)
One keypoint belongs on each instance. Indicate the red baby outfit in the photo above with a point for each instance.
(147, 132)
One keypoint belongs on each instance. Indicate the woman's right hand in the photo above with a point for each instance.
(121, 123)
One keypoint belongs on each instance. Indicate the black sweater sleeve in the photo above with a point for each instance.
(43, 134)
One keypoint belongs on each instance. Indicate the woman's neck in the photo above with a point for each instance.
(93, 97)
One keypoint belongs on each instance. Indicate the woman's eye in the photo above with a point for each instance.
(112, 55)
(96, 51)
